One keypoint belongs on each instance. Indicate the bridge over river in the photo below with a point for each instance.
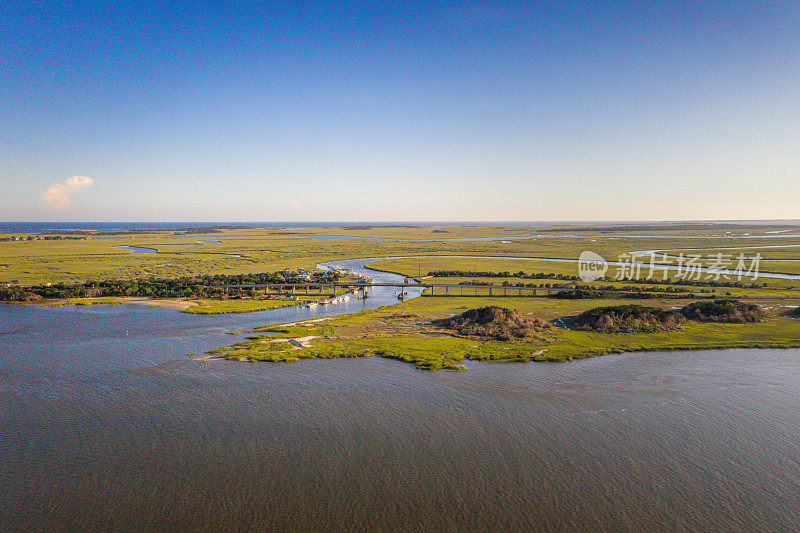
(436, 289)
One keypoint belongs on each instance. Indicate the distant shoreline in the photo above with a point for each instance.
(128, 227)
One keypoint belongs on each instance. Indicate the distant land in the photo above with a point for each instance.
(43, 227)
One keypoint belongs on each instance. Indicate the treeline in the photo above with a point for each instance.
(183, 287)
(670, 227)
(595, 288)
(40, 238)
(17, 294)
(625, 288)
(489, 274)
(566, 277)
(148, 288)
(202, 230)
(570, 291)
(588, 294)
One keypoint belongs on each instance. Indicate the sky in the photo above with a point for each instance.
(382, 111)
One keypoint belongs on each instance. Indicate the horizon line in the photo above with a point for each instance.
(425, 222)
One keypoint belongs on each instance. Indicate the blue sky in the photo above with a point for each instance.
(232, 111)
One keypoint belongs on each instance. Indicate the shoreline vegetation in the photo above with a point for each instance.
(198, 295)
(641, 319)
(31, 261)
(205, 287)
(411, 332)
(570, 320)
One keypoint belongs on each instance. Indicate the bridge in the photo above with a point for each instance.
(444, 289)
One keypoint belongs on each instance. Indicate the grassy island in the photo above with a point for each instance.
(441, 333)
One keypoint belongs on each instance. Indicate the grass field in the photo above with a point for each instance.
(259, 250)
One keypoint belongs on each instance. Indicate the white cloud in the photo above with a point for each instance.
(59, 193)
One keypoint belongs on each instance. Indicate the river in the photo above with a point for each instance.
(108, 424)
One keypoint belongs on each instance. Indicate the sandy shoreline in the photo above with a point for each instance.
(297, 343)
(289, 324)
(180, 305)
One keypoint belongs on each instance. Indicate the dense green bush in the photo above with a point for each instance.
(16, 294)
(627, 319)
(494, 322)
(637, 318)
(579, 294)
(724, 310)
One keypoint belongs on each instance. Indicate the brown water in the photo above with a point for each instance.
(106, 424)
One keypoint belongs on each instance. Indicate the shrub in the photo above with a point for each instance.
(578, 294)
(494, 322)
(627, 319)
(724, 310)
(16, 294)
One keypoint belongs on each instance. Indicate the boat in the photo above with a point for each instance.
(311, 305)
